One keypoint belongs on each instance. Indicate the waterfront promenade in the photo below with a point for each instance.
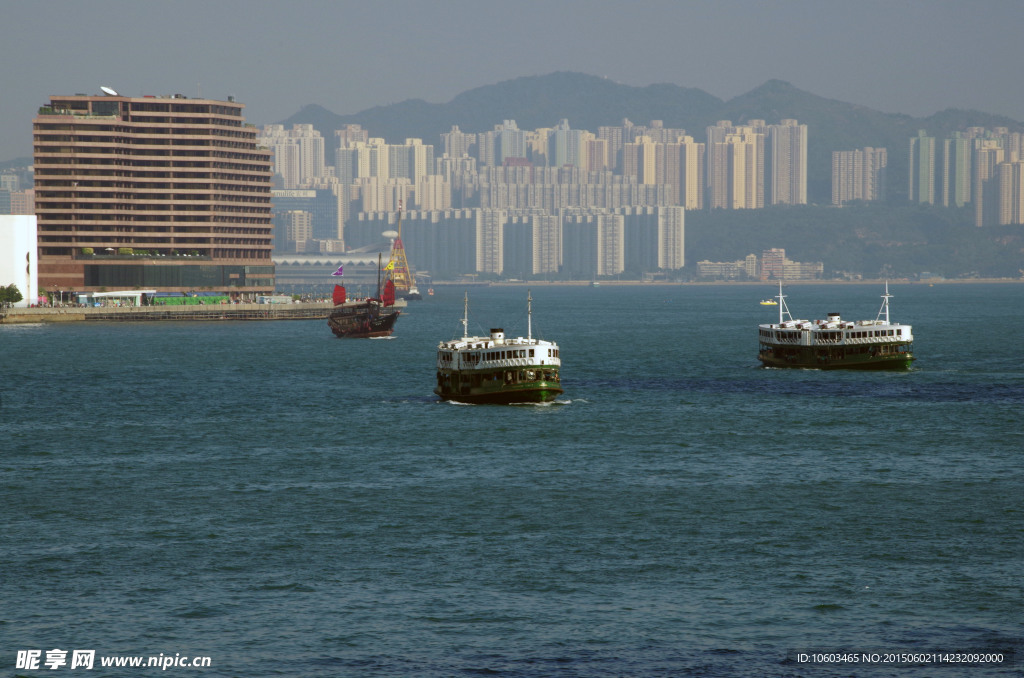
(303, 311)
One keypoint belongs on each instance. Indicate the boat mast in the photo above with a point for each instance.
(465, 317)
(885, 304)
(529, 316)
(783, 309)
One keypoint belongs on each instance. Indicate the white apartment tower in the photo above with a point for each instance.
(671, 232)
(547, 243)
(611, 238)
(858, 175)
(735, 160)
(490, 236)
(787, 173)
(298, 153)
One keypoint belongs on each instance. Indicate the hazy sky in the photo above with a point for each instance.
(900, 56)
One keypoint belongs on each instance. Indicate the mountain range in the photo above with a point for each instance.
(589, 102)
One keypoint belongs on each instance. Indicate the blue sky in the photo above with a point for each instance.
(899, 56)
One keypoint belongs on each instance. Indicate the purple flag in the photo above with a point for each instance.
(340, 270)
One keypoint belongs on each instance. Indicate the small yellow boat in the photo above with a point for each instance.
(769, 302)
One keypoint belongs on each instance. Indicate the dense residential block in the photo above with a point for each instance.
(859, 175)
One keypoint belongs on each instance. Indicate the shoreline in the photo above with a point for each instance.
(712, 283)
(319, 310)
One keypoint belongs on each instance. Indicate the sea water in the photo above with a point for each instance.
(286, 503)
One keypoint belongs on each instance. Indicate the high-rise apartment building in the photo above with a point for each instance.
(1011, 193)
(671, 231)
(412, 161)
(988, 154)
(611, 237)
(566, 146)
(922, 169)
(735, 159)
(639, 159)
(546, 243)
(296, 229)
(490, 241)
(614, 137)
(858, 175)
(511, 142)
(166, 193)
(351, 134)
(298, 153)
(956, 171)
(457, 143)
(787, 163)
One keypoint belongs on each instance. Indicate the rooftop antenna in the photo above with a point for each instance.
(109, 91)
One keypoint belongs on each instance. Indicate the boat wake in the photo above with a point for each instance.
(550, 403)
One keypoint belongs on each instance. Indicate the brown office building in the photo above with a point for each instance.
(165, 193)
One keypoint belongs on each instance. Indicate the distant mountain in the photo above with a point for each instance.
(588, 102)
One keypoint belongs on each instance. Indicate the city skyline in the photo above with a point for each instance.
(892, 57)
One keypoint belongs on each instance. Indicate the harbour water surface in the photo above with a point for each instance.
(291, 504)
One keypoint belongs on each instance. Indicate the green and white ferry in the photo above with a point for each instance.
(835, 343)
(498, 369)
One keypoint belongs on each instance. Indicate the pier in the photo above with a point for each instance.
(302, 311)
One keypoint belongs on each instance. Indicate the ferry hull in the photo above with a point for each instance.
(811, 359)
(540, 394)
(502, 387)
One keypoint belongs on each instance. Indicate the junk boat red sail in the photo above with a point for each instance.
(362, 318)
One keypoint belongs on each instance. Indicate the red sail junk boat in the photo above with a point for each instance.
(361, 318)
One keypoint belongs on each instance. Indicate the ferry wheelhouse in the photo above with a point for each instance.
(498, 369)
(834, 343)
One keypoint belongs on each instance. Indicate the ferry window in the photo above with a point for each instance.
(899, 333)
(531, 352)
